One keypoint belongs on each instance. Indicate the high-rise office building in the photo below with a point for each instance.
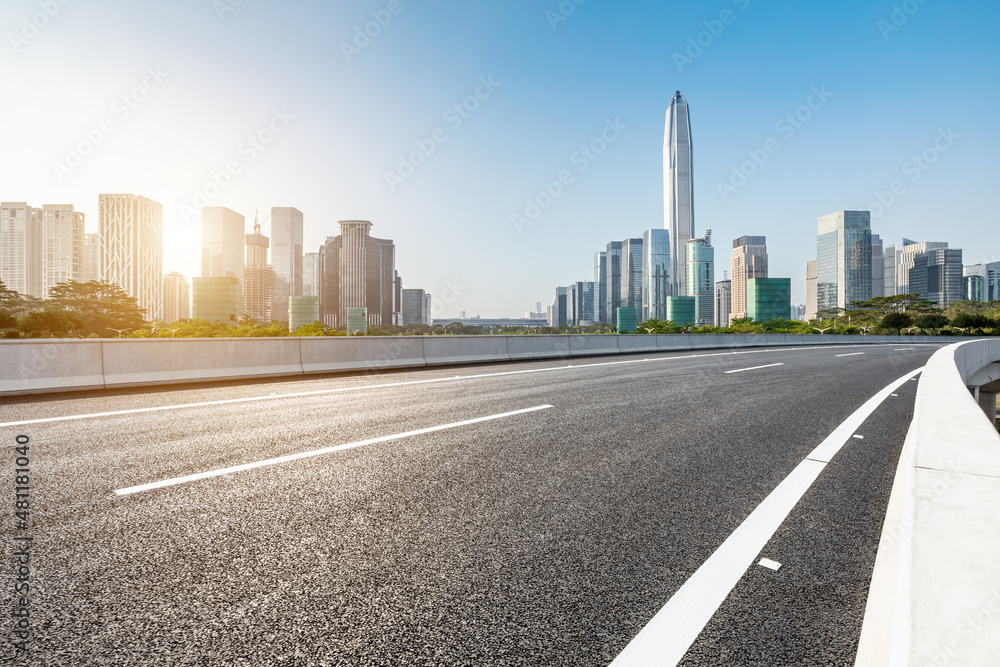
(990, 283)
(812, 295)
(258, 279)
(906, 258)
(91, 257)
(769, 299)
(749, 261)
(563, 309)
(699, 264)
(678, 187)
(130, 229)
(601, 286)
(310, 274)
(613, 280)
(655, 274)
(62, 246)
(632, 274)
(176, 298)
(936, 275)
(878, 266)
(723, 302)
(286, 257)
(215, 299)
(681, 310)
(21, 248)
(223, 244)
(843, 259)
(358, 270)
(585, 308)
(415, 307)
(890, 263)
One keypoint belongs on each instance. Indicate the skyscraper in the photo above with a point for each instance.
(936, 275)
(906, 260)
(890, 263)
(415, 307)
(678, 187)
(723, 302)
(286, 257)
(843, 259)
(222, 244)
(749, 261)
(812, 295)
(655, 274)
(632, 274)
(21, 248)
(61, 258)
(310, 274)
(878, 266)
(131, 236)
(613, 280)
(258, 279)
(585, 308)
(989, 283)
(600, 286)
(358, 270)
(699, 265)
(176, 298)
(91, 257)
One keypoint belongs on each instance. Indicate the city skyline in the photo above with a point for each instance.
(780, 140)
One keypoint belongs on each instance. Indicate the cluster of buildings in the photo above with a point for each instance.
(668, 274)
(350, 281)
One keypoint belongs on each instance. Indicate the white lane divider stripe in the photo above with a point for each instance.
(388, 385)
(672, 631)
(317, 452)
(852, 354)
(740, 370)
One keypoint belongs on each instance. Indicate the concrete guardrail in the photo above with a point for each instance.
(935, 593)
(49, 365)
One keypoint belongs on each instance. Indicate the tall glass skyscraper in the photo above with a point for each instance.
(601, 286)
(613, 280)
(843, 259)
(678, 187)
(632, 274)
(655, 274)
(699, 265)
(749, 261)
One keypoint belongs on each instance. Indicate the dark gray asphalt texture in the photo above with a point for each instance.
(548, 538)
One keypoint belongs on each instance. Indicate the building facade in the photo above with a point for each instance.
(749, 261)
(613, 280)
(601, 286)
(586, 306)
(769, 299)
(130, 229)
(21, 248)
(310, 274)
(812, 295)
(723, 302)
(358, 270)
(843, 259)
(878, 266)
(682, 310)
(176, 298)
(699, 264)
(223, 245)
(215, 300)
(258, 279)
(990, 274)
(936, 275)
(678, 187)
(631, 280)
(91, 257)
(286, 257)
(655, 274)
(415, 307)
(906, 260)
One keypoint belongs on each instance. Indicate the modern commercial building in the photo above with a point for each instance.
(936, 275)
(358, 270)
(682, 310)
(302, 311)
(975, 287)
(601, 286)
(749, 261)
(62, 246)
(21, 248)
(91, 257)
(632, 274)
(130, 229)
(258, 279)
(799, 312)
(563, 308)
(990, 274)
(723, 302)
(878, 266)
(843, 259)
(699, 264)
(655, 274)
(223, 245)
(678, 187)
(906, 260)
(769, 299)
(416, 307)
(613, 280)
(585, 308)
(627, 318)
(215, 300)
(890, 264)
(176, 298)
(310, 274)
(356, 320)
(812, 294)
(286, 257)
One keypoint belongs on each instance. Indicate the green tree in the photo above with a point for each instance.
(50, 323)
(655, 326)
(931, 321)
(897, 321)
(745, 325)
(99, 306)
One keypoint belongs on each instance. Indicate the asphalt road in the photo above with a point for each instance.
(546, 537)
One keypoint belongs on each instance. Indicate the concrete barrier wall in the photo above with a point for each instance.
(35, 366)
(937, 575)
(32, 366)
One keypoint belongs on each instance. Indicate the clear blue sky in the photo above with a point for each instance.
(223, 73)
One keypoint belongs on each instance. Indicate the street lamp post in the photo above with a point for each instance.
(120, 331)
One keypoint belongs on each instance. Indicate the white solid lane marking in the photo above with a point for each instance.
(769, 564)
(859, 437)
(389, 385)
(317, 452)
(740, 370)
(903, 349)
(669, 635)
(852, 354)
